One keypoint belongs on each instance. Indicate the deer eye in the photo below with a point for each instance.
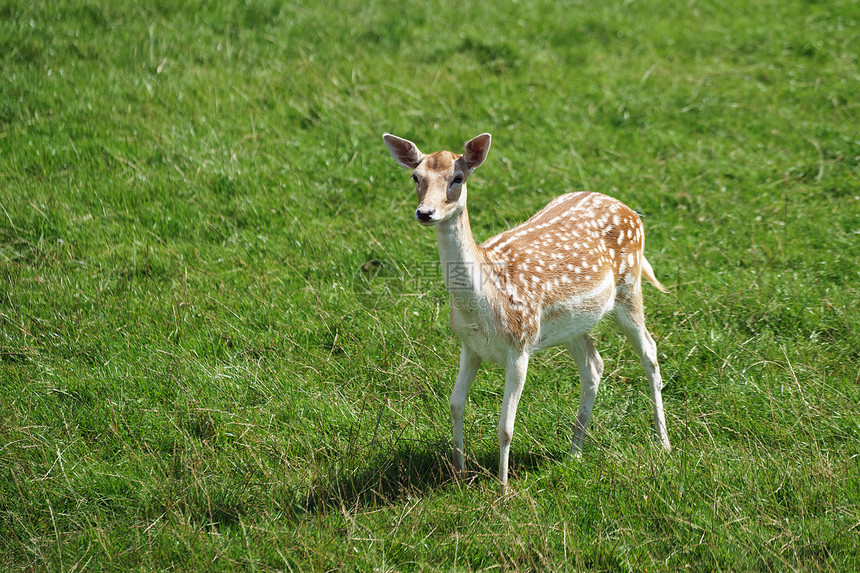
(415, 178)
(457, 180)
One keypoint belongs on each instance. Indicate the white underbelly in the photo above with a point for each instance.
(563, 330)
(577, 316)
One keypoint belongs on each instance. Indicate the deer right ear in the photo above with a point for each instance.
(476, 150)
(403, 151)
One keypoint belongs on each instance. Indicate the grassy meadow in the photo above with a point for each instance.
(224, 340)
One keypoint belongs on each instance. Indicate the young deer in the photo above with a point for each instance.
(543, 283)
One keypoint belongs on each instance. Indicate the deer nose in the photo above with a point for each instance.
(425, 214)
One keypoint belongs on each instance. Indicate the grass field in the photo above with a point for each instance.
(224, 342)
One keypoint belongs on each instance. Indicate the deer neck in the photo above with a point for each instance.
(462, 260)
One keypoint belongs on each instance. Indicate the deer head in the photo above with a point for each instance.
(440, 178)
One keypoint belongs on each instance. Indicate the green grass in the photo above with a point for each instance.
(223, 343)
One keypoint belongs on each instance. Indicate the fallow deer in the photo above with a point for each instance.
(544, 283)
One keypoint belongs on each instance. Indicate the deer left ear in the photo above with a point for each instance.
(476, 151)
(403, 151)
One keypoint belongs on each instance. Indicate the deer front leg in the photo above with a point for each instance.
(590, 367)
(515, 379)
(469, 363)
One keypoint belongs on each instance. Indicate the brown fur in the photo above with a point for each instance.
(564, 250)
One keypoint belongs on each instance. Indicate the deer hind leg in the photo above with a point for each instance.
(590, 367)
(469, 363)
(631, 320)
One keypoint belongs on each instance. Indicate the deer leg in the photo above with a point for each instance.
(631, 320)
(515, 378)
(469, 363)
(590, 367)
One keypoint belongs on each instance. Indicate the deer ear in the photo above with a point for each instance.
(403, 151)
(476, 150)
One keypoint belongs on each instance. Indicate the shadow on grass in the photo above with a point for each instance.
(409, 470)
